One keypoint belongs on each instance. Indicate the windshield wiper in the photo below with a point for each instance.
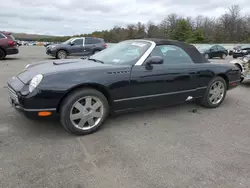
(96, 60)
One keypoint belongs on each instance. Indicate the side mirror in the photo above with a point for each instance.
(154, 60)
(71, 43)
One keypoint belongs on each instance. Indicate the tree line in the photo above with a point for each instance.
(230, 27)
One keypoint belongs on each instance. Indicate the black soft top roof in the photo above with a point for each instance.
(191, 50)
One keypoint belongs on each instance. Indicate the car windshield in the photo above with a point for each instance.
(126, 52)
(68, 41)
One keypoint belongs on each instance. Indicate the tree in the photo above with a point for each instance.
(231, 26)
(182, 30)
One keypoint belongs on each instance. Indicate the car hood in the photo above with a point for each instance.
(57, 66)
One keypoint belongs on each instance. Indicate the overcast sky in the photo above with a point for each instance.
(68, 17)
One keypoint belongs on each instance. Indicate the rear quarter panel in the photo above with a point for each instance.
(207, 71)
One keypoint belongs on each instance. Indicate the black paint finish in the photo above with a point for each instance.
(126, 87)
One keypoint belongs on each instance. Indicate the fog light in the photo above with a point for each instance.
(44, 113)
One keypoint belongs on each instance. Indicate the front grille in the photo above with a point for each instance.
(13, 94)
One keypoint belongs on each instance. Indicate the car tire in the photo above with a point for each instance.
(223, 56)
(61, 54)
(2, 54)
(78, 100)
(96, 51)
(210, 91)
(206, 56)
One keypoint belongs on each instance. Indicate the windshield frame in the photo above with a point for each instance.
(69, 40)
(140, 59)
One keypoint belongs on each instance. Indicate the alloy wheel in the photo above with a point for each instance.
(216, 92)
(87, 112)
(61, 55)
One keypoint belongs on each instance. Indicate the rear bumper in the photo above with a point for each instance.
(12, 51)
(233, 84)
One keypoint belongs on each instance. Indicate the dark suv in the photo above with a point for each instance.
(8, 45)
(79, 46)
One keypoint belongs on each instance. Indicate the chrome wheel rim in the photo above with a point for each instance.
(206, 56)
(61, 55)
(87, 112)
(216, 92)
(223, 56)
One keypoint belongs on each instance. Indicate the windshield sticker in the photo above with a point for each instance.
(116, 60)
(138, 44)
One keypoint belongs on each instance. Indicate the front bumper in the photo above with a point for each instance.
(239, 54)
(50, 52)
(23, 103)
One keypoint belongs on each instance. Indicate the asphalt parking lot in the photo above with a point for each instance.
(181, 146)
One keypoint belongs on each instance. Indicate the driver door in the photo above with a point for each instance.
(165, 84)
(214, 52)
(77, 47)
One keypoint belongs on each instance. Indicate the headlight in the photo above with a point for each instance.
(35, 82)
(244, 51)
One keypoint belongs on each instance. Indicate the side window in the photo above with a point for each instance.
(214, 48)
(1, 36)
(221, 48)
(92, 41)
(78, 42)
(172, 54)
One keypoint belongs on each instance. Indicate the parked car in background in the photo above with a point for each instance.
(243, 64)
(19, 43)
(241, 51)
(213, 51)
(232, 50)
(80, 46)
(8, 45)
(133, 74)
(46, 44)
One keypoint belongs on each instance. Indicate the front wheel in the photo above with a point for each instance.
(206, 56)
(215, 93)
(84, 111)
(61, 54)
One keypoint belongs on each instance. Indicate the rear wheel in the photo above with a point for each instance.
(2, 54)
(223, 56)
(61, 54)
(215, 93)
(84, 111)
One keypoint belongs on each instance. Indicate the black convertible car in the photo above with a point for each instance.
(133, 74)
